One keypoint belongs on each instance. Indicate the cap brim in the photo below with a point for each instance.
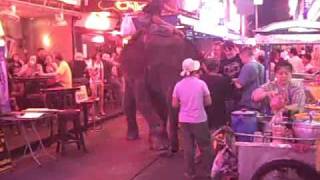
(196, 65)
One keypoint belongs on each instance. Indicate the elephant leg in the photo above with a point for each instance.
(173, 124)
(161, 107)
(129, 108)
(157, 135)
(173, 129)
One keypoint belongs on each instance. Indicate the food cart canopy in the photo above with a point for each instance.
(289, 32)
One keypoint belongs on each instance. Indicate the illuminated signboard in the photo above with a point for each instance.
(129, 5)
(120, 5)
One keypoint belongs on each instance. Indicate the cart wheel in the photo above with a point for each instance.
(286, 169)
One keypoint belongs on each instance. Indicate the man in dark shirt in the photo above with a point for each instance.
(41, 57)
(220, 88)
(107, 63)
(231, 65)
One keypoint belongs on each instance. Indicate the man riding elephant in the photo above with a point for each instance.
(150, 20)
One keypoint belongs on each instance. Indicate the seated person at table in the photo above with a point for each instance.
(50, 64)
(31, 68)
(63, 73)
(282, 88)
(14, 65)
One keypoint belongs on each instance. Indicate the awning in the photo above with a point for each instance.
(289, 32)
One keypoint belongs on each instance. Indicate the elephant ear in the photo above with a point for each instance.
(132, 58)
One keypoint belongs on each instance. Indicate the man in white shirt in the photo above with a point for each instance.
(191, 94)
(308, 67)
(296, 62)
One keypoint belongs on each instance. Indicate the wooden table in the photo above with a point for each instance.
(63, 97)
(33, 84)
(33, 78)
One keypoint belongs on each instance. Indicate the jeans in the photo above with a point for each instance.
(197, 134)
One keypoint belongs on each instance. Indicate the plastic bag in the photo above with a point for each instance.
(224, 163)
(127, 26)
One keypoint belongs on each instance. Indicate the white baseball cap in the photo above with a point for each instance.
(189, 65)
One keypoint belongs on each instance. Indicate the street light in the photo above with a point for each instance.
(257, 3)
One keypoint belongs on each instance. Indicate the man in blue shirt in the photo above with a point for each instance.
(250, 78)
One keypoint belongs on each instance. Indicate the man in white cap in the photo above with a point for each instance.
(191, 94)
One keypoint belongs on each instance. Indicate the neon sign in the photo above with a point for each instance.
(129, 5)
(123, 5)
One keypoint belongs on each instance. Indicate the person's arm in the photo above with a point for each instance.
(175, 102)
(55, 66)
(175, 98)
(157, 20)
(237, 83)
(259, 94)
(247, 75)
(207, 97)
(22, 71)
(298, 99)
(207, 100)
(60, 70)
(170, 9)
(266, 90)
(39, 69)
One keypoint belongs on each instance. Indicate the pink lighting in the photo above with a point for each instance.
(98, 21)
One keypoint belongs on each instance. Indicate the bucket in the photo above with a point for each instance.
(244, 122)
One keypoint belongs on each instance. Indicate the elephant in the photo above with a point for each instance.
(151, 65)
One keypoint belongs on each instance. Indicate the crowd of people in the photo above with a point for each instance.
(95, 73)
(233, 78)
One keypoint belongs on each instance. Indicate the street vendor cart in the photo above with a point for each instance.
(298, 153)
(268, 155)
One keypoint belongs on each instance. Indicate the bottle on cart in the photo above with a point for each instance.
(278, 129)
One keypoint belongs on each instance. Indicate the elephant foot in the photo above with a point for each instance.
(174, 148)
(132, 136)
(157, 143)
(167, 154)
